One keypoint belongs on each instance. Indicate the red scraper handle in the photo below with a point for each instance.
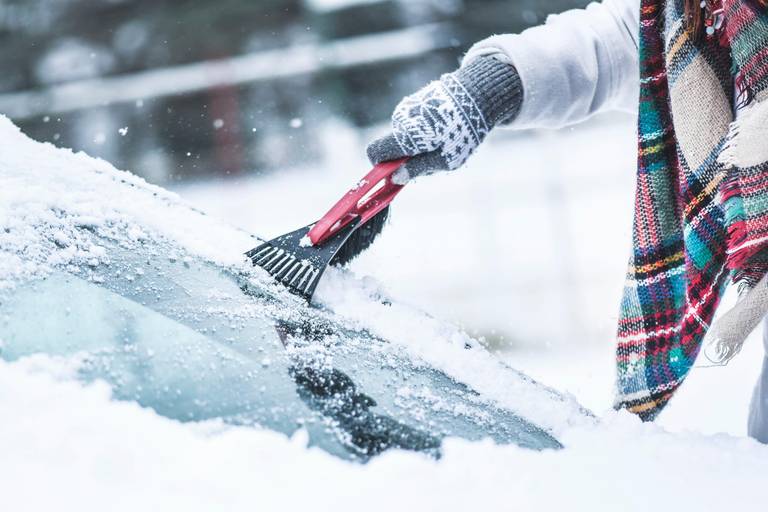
(371, 195)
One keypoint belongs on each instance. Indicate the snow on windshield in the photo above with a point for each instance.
(39, 223)
(42, 228)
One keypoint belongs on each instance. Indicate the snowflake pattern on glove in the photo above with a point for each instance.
(441, 117)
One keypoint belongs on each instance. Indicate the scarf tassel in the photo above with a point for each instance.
(746, 259)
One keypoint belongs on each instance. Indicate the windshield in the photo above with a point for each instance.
(196, 342)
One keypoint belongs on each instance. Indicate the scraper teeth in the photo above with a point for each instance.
(265, 256)
(302, 270)
(306, 285)
(274, 261)
(257, 253)
(298, 274)
(283, 267)
(290, 271)
(301, 285)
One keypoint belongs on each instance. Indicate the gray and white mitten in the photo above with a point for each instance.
(441, 125)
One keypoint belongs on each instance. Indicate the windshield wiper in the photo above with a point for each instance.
(333, 394)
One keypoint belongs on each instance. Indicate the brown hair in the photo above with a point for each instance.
(694, 14)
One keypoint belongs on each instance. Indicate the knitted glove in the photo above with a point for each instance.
(440, 126)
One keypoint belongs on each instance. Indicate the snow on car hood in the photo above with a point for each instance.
(79, 442)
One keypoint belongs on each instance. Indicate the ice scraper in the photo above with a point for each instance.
(299, 259)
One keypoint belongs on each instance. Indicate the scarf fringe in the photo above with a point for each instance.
(747, 259)
(741, 248)
(726, 337)
(729, 153)
(732, 203)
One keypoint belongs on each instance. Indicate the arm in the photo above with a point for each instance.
(577, 64)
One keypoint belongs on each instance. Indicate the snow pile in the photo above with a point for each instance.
(68, 446)
(71, 448)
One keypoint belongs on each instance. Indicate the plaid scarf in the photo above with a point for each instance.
(701, 212)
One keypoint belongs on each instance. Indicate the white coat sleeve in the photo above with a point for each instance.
(578, 63)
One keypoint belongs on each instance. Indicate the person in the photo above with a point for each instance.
(700, 71)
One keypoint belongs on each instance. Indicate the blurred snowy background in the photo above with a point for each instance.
(181, 89)
(259, 113)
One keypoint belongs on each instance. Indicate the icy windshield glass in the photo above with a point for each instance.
(196, 342)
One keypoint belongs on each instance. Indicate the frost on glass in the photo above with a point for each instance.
(196, 342)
